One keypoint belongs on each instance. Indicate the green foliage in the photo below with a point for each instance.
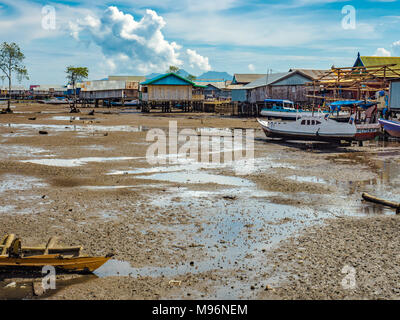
(191, 77)
(76, 74)
(11, 62)
(173, 69)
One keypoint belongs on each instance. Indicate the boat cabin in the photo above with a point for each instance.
(278, 104)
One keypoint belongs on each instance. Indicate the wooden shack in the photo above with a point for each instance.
(109, 91)
(170, 90)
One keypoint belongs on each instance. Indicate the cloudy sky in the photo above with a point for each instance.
(238, 36)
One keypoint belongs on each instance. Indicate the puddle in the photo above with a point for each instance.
(18, 182)
(66, 118)
(107, 187)
(63, 128)
(308, 179)
(11, 151)
(6, 209)
(197, 178)
(75, 162)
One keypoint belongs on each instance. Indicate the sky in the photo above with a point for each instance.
(138, 37)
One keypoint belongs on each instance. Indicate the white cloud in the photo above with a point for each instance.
(198, 61)
(251, 67)
(120, 38)
(382, 52)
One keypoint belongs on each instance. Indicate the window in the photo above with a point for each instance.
(303, 122)
(313, 122)
(317, 122)
(308, 122)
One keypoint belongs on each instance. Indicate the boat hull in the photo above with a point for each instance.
(322, 132)
(391, 127)
(64, 265)
(367, 132)
(306, 137)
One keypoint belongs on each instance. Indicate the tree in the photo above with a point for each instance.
(173, 69)
(74, 75)
(191, 77)
(11, 62)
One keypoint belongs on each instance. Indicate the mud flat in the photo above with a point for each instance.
(190, 230)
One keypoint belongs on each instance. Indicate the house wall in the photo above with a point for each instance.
(110, 94)
(168, 93)
(295, 93)
(394, 102)
(239, 95)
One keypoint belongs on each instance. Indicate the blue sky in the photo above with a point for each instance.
(143, 36)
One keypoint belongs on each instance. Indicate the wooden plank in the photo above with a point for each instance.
(7, 243)
(369, 198)
(50, 244)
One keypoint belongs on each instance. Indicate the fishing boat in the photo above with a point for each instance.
(15, 258)
(126, 103)
(56, 101)
(320, 128)
(391, 127)
(285, 110)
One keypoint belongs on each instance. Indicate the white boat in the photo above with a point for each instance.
(320, 128)
(56, 101)
(285, 110)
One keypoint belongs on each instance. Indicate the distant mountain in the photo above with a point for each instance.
(181, 72)
(153, 75)
(215, 75)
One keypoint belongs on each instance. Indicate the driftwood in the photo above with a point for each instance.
(391, 204)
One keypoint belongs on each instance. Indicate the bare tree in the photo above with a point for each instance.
(11, 62)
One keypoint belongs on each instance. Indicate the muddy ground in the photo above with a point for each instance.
(283, 227)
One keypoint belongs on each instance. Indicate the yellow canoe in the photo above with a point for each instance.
(73, 264)
(16, 258)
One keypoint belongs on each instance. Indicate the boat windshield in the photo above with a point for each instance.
(278, 104)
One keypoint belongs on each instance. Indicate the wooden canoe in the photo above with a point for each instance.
(16, 258)
(60, 263)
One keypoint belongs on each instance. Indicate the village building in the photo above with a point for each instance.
(245, 78)
(109, 91)
(15, 92)
(48, 91)
(171, 90)
(291, 85)
(394, 96)
(215, 91)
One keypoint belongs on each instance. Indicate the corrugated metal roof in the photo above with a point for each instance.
(247, 77)
(312, 73)
(235, 86)
(16, 88)
(128, 78)
(169, 75)
(266, 80)
(47, 87)
(377, 61)
(219, 85)
(103, 85)
(368, 61)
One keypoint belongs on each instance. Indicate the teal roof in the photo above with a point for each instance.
(170, 79)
